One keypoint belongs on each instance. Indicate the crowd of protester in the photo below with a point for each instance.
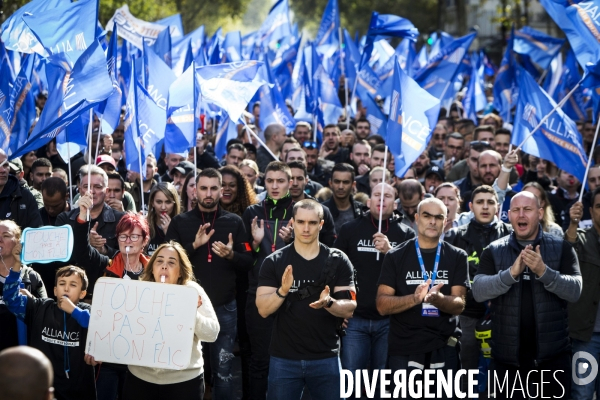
(516, 245)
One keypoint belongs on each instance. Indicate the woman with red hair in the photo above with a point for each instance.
(129, 262)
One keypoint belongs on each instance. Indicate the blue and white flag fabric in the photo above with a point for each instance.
(162, 47)
(413, 115)
(226, 131)
(6, 108)
(505, 87)
(273, 109)
(327, 95)
(591, 81)
(442, 40)
(541, 48)
(277, 24)
(330, 24)
(68, 29)
(179, 49)
(578, 19)
(386, 25)
(375, 116)
(134, 30)
(72, 93)
(442, 69)
(575, 107)
(175, 24)
(182, 113)
(16, 35)
(230, 86)
(232, 47)
(557, 140)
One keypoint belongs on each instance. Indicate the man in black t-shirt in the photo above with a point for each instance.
(423, 285)
(367, 333)
(294, 284)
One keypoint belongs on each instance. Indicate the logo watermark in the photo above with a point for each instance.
(581, 368)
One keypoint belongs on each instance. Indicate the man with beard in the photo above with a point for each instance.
(217, 243)
(342, 205)
(411, 192)
(331, 148)
(421, 165)
(363, 129)
(360, 159)
(302, 132)
(454, 149)
(472, 179)
(316, 172)
(468, 166)
(54, 193)
(438, 142)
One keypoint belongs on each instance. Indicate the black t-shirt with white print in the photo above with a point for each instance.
(410, 332)
(299, 331)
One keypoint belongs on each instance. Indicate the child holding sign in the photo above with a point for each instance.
(57, 329)
(171, 265)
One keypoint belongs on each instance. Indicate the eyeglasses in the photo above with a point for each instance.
(310, 145)
(133, 238)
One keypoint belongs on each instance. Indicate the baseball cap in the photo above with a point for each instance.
(436, 171)
(184, 167)
(15, 165)
(106, 159)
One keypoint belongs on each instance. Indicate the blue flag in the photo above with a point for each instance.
(505, 89)
(575, 107)
(232, 46)
(175, 24)
(578, 19)
(182, 113)
(442, 40)
(16, 35)
(541, 48)
(413, 115)
(230, 86)
(375, 116)
(68, 29)
(180, 53)
(110, 109)
(22, 103)
(227, 130)
(368, 82)
(158, 77)
(330, 23)
(441, 70)
(277, 24)
(272, 105)
(557, 140)
(474, 99)
(6, 108)
(162, 46)
(71, 94)
(386, 25)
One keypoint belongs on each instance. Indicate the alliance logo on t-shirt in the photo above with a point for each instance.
(61, 338)
(416, 277)
(296, 285)
(369, 246)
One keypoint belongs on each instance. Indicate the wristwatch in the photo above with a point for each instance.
(279, 294)
(329, 303)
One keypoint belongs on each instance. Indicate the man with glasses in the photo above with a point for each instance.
(103, 218)
(217, 243)
(453, 152)
(422, 286)
(16, 202)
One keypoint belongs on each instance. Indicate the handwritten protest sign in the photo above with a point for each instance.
(142, 323)
(47, 244)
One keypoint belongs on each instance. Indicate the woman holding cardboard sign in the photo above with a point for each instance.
(171, 265)
(133, 234)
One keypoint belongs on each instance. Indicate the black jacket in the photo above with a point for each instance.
(19, 205)
(276, 214)
(107, 228)
(263, 158)
(319, 175)
(216, 276)
(548, 311)
(362, 184)
(356, 207)
(473, 238)
(207, 160)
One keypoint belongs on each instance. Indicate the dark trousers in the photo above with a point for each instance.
(241, 284)
(136, 388)
(555, 385)
(259, 330)
(111, 378)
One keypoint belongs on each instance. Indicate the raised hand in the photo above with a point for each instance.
(421, 291)
(203, 236)
(576, 213)
(96, 240)
(434, 296)
(224, 250)
(533, 259)
(86, 203)
(323, 299)
(517, 267)
(382, 242)
(258, 232)
(285, 232)
(287, 280)
(165, 221)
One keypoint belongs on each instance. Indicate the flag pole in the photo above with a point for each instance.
(98, 140)
(589, 163)
(382, 192)
(562, 102)
(69, 162)
(248, 129)
(89, 156)
(345, 77)
(314, 128)
(141, 176)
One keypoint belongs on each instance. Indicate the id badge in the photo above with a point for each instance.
(430, 310)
